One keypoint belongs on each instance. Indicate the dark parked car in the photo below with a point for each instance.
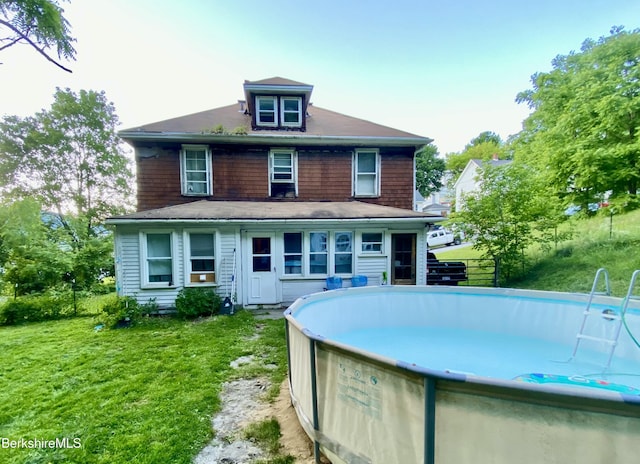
(444, 272)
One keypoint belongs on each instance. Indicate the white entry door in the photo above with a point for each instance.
(262, 269)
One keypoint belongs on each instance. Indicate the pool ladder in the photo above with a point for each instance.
(607, 314)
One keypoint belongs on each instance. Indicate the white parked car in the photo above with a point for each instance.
(441, 237)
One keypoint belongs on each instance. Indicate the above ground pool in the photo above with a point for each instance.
(466, 375)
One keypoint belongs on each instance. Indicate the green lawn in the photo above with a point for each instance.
(571, 265)
(140, 395)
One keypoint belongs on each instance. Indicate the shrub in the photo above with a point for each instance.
(54, 304)
(120, 312)
(194, 302)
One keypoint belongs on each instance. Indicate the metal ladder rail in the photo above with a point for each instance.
(630, 296)
(587, 312)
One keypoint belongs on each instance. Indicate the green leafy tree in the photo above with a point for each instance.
(68, 158)
(583, 130)
(481, 148)
(70, 161)
(429, 170)
(501, 216)
(38, 23)
(35, 257)
(484, 137)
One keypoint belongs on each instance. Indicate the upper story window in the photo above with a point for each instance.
(283, 173)
(366, 173)
(195, 167)
(291, 111)
(266, 111)
(274, 111)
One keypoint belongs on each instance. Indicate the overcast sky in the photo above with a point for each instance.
(447, 70)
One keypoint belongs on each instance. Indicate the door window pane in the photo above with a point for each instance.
(261, 247)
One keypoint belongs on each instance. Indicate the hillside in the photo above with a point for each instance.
(571, 267)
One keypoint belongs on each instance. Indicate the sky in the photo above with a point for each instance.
(447, 70)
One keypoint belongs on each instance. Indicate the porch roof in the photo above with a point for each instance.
(275, 211)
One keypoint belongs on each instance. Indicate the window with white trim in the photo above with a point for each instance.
(266, 111)
(318, 253)
(343, 253)
(201, 261)
(283, 173)
(157, 256)
(293, 253)
(195, 167)
(372, 242)
(366, 173)
(291, 111)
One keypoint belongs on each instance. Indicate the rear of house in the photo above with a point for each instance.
(266, 199)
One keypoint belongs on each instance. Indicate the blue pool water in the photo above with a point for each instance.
(494, 355)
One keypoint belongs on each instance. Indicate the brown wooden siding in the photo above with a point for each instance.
(324, 175)
(158, 180)
(242, 174)
(396, 186)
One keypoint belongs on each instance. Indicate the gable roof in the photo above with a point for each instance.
(278, 211)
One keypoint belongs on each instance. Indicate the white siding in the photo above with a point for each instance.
(229, 276)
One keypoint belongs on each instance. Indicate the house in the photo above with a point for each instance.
(469, 179)
(266, 199)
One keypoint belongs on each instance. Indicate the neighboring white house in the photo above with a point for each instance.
(469, 180)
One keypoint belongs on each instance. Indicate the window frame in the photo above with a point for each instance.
(283, 112)
(144, 259)
(275, 112)
(187, 265)
(286, 254)
(294, 169)
(184, 182)
(336, 252)
(373, 242)
(357, 175)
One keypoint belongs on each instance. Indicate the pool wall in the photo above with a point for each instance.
(360, 407)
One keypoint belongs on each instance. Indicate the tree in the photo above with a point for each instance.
(583, 131)
(68, 158)
(429, 170)
(39, 24)
(34, 257)
(484, 147)
(501, 216)
(69, 161)
(484, 137)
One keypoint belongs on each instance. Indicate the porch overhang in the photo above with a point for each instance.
(276, 212)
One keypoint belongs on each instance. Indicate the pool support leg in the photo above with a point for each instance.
(314, 398)
(429, 420)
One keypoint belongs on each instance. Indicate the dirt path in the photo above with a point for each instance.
(242, 404)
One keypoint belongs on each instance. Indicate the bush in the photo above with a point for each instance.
(195, 302)
(55, 304)
(120, 311)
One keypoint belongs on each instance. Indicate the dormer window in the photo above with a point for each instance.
(291, 108)
(266, 111)
(274, 111)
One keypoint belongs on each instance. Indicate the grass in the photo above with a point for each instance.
(144, 394)
(571, 265)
